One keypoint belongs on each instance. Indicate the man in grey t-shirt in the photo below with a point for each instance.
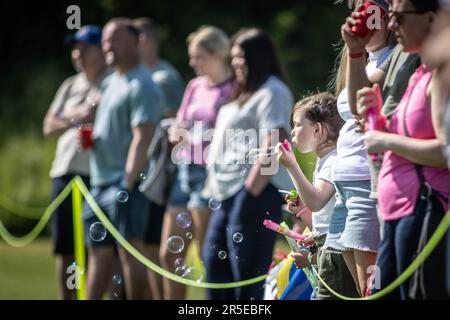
(125, 121)
(163, 73)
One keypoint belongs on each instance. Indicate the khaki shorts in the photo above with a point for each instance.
(333, 270)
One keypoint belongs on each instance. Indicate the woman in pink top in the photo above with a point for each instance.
(214, 86)
(410, 139)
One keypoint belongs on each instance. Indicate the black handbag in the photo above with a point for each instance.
(162, 171)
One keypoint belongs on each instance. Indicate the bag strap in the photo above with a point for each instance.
(418, 167)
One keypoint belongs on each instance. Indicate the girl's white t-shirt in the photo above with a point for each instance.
(323, 171)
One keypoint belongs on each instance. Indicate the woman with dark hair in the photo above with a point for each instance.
(237, 246)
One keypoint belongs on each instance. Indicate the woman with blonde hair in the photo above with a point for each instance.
(214, 85)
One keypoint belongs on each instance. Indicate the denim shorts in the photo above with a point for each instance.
(362, 228)
(187, 188)
(129, 218)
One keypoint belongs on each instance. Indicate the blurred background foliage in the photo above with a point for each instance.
(34, 62)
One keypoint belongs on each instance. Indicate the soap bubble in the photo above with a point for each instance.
(122, 196)
(188, 235)
(193, 273)
(116, 279)
(97, 231)
(214, 204)
(175, 244)
(243, 172)
(238, 237)
(180, 271)
(184, 220)
(179, 262)
(222, 255)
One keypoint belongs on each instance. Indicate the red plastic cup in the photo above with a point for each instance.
(361, 29)
(86, 137)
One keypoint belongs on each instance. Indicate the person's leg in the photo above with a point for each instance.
(364, 261)
(198, 206)
(152, 246)
(134, 272)
(100, 271)
(116, 287)
(62, 237)
(101, 252)
(386, 271)
(132, 220)
(349, 258)
(406, 243)
(218, 270)
(63, 261)
(252, 256)
(200, 217)
(154, 279)
(172, 290)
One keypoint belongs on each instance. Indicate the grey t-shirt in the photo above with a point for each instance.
(324, 171)
(127, 101)
(171, 84)
(72, 93)
(268, 108)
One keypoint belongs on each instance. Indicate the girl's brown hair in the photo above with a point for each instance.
(321, 108)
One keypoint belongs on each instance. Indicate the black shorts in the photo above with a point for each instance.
(155, 222)
(62, 220)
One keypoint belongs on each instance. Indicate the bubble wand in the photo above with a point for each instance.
(269, 224)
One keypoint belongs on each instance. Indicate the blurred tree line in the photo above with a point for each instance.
(34, 61)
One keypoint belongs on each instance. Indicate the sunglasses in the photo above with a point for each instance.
(399, 15)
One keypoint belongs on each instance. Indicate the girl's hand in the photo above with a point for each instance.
(286, 157)
(376, 141)
(367, 98)
(300, 258)
(296, 207)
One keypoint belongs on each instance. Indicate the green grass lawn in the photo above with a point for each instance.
(27, 273)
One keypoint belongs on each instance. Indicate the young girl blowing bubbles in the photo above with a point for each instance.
(316, 123)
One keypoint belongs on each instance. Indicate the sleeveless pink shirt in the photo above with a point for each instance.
(398, 182)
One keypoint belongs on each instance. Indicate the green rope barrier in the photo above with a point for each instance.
(418, 261)
(148, 263)
(32, 235)
(20, 209)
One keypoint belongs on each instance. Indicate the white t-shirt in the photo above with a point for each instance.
(351, 162)
(323, 171)
(268, 108)
(71, 94)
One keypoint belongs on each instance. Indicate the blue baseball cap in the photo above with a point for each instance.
(90, 34)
